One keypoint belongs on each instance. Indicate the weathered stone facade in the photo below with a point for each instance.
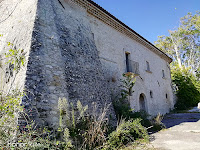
(74, 50)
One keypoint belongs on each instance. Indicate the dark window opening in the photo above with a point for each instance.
(148, 67)
(163, 73)
(127, 62)
(131, 66)
(166, 96)
(151, 94)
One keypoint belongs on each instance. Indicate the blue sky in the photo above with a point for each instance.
(150, 18)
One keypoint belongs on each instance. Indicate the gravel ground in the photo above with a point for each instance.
(182, 133)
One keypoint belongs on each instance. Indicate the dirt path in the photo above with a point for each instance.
(182, 133)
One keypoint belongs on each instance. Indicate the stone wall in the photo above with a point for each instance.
(63, 62)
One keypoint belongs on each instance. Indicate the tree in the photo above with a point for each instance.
(183, 44)
(187, 88)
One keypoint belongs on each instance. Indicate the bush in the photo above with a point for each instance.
(157, 124)
(143, 115)
(127, 132)
(122, 103)
(152, 125)
(9, 107)
(187, 88)
(86, 131)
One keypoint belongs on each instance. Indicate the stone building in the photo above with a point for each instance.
(78, 50)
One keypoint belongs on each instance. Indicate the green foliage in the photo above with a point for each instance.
(14, 60)
(127, 84)
(143, 116)
(9, 107)
(15, 57)
(26, 137)
(187, 88)
(157, 124)
(69, 120)
(86, 131)
(152, 125)
(122, 104)
(183, 44)
(126, 132)
(36, 139)
(69, 115)
(10, 99)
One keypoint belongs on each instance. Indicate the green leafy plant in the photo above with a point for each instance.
(14, 60)
(9, 108)
(187, 88)
(122, 104)
(156, 123)
(15, 57)
(86, 131)
(127, 132)
(128, 82)
(36, 138)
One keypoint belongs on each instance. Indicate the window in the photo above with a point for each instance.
(151, 94)
(148, 67)
(131, 66)
(127, 62)
(163, 74)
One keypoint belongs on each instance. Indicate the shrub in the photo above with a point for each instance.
(9, 107)
(187, 88)
(152, 125)
(127, 132)
(87, 131)
(157, 124)
(122, 103)
(143, 115)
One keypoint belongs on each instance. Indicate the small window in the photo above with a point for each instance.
(151, 94)
(166, 96)
(163, 74)
(127, 62)
(148, 67)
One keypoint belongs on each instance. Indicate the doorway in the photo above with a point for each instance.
(142, 102)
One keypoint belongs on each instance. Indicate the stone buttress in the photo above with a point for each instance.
(63, 61)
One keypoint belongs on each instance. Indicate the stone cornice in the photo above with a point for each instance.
(103, 15)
